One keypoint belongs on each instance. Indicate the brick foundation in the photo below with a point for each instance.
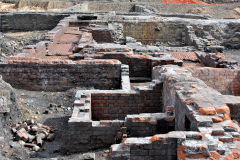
(60, 75)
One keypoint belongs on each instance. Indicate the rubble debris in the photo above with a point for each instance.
(31, 134)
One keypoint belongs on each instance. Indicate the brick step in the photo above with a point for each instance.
(84, 108)
(226, 138)
(118, 151)
(194, 149)
(194, 135)
(81, 117)
(203, 121)
(79, 102)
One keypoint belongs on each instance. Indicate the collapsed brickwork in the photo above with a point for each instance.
(187, 108)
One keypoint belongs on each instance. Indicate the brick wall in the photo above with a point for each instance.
(152, 32)
(139, 66)
(102, 35)
(157, 147)
(61, 75)
(226, 81)
(109, 106)
(85, 136)
(233, 102)
(23, 21)
(148, 124)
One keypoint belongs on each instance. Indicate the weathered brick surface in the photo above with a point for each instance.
(118, 105)
(233, 102)
(216, 60)
(102, 35)
(29, 21)
(147, 124)
(188, 96)
(139, 66)
(60, 75)
(226, 81)
(85, 136)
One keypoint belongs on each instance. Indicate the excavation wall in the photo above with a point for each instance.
(152, 32)
(62, 75)
(29, 21)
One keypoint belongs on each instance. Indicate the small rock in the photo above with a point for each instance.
(46, 112)
(34, 128)
(30, 137)
(9, 154)
(14, 128)
(36, 148)
(21, 142)
(44, 131)
(30, 145)
(39, 141)
(59, 109)
(22, 134)
(14, 144)
(30, 121)
(88, 156)
(52, 105)
(41, 135)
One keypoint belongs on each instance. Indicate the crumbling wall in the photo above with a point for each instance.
(60, 75)
(216, 60)
(226, 81)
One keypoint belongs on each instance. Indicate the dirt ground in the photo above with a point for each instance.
(231, 10)
(11, 43)
(52, 109)
(233, 54)
(6, 7)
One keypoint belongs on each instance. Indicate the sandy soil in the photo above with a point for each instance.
(6, 7)
(230, 10)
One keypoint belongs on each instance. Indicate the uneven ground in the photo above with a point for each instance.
(5, 7)
(25, 5)
(216, 11)
(233, 54)
(11, 43)
(52, 109)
